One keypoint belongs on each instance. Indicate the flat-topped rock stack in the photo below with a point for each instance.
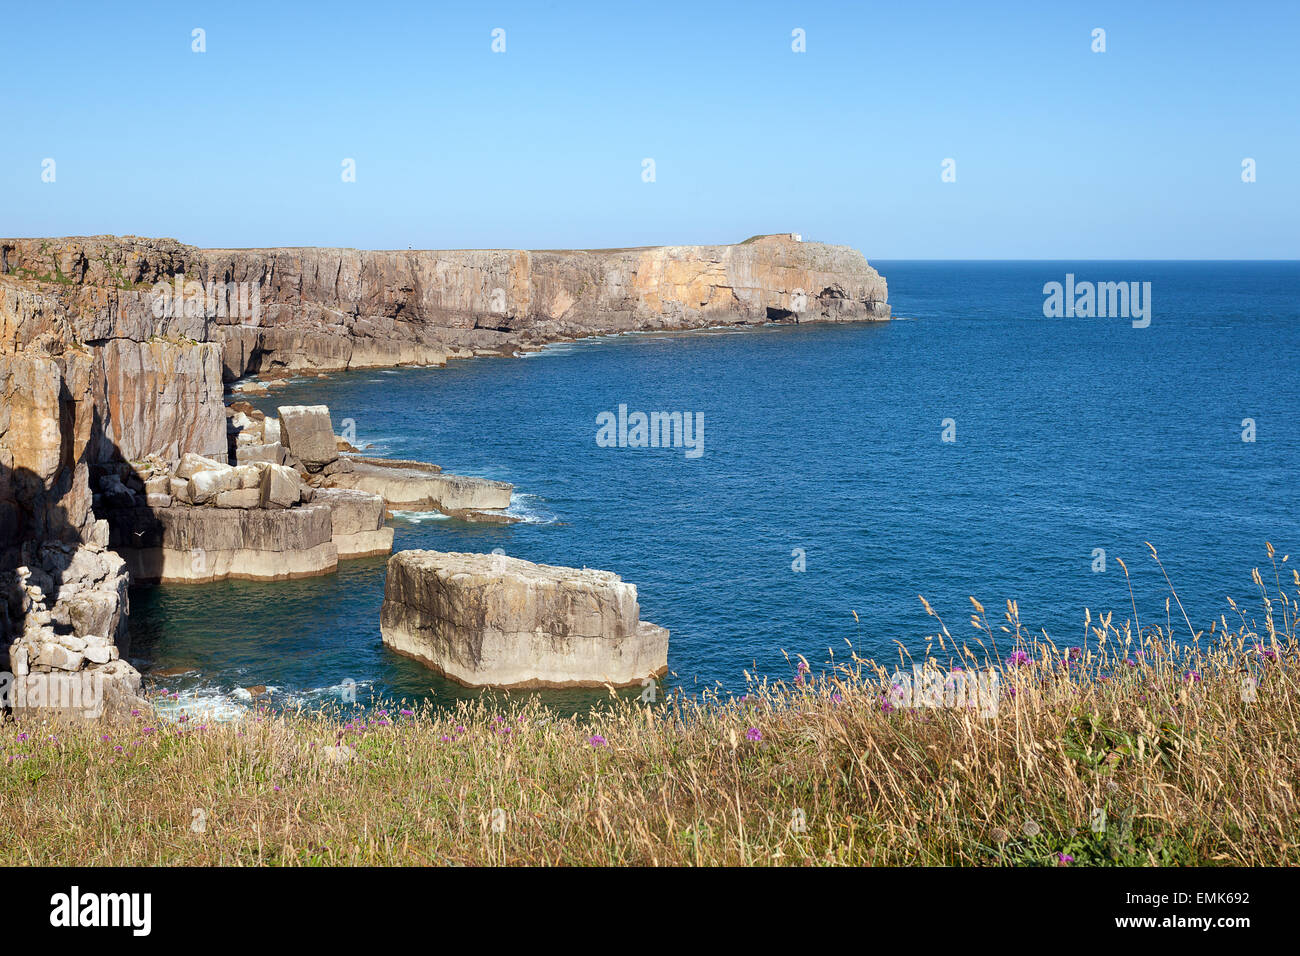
(487, 620)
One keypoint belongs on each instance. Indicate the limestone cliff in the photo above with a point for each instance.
(114, 350)
(341, 308)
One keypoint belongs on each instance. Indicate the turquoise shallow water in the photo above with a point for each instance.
(1071, 435)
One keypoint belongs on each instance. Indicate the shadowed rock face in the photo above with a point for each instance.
(487, 620)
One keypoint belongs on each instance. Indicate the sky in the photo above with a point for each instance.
(1058, 151)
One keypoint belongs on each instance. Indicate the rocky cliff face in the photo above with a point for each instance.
(116, 349)
(345, 308)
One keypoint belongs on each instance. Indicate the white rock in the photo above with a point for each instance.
(58, 657)
(250, 476)
(281, 487)
(99, 653)
(206, 485)
(193, 464)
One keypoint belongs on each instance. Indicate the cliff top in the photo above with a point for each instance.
(783, 238)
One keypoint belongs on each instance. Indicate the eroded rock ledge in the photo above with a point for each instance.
(487, 620)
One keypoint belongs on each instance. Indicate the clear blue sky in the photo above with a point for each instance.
(1060, 152)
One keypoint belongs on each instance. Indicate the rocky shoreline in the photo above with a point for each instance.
(119, 459)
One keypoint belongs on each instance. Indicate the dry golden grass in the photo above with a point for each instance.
(1139, 748)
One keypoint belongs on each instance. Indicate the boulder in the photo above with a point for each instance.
(99, 651)
(206, 485)
(281, 487)
(58, 657)
(250, 476)
(191, 464)
(307, 431)
(492, 621)
(180, 491)
(274, 453)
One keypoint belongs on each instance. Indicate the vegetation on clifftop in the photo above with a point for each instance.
(1145, 745)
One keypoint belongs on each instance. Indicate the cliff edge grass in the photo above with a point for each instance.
(1144, 746)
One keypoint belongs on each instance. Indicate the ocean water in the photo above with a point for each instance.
(823, 443)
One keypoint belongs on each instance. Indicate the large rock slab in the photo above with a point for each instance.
(280, 487)
(409, 488)
(307, 431)
(487, 620)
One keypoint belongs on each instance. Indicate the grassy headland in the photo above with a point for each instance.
(1147, 744)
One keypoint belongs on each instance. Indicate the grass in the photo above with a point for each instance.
(1145, 745)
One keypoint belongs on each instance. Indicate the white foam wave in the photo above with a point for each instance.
(529, 510)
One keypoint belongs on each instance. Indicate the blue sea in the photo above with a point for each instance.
(825, 489)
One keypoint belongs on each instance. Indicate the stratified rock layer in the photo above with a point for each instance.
(487, 620)
(188, 544)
